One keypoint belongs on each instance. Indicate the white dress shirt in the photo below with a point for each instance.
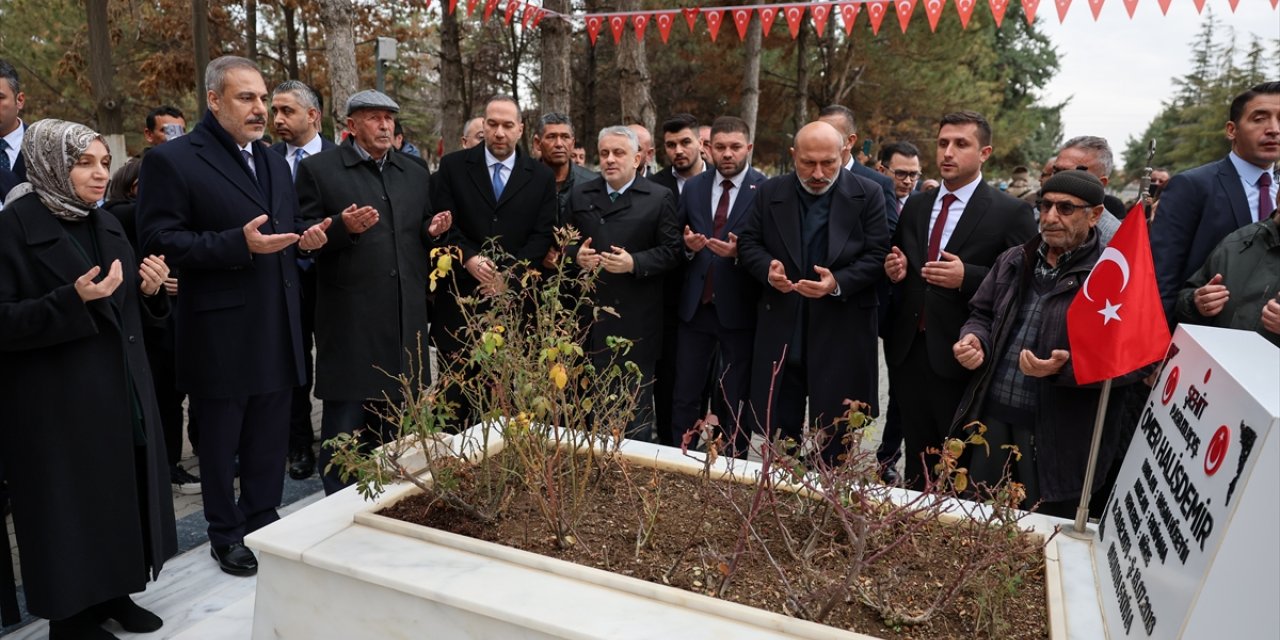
(963, 195)
(1249, 174)
(309, 149)
(610, 190)
(508, 165)
(14, 138)
(716, 190)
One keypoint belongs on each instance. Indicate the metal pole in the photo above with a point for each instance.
(382, 74)
(1082, 511)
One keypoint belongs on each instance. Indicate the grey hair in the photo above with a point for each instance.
(1101, 150)
(305, 95)
(215, 75)
(554, 117)
(619, 130)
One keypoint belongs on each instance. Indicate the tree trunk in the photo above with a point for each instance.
(633, 78)
(251, 34)
(556, 83)
(291, 40)
(751, 72)
(453, 110)
(587, 133)
(802, 80)
(102, 80)
(340, 51)
(200, 42)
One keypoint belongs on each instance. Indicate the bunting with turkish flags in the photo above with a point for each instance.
(1116, 323)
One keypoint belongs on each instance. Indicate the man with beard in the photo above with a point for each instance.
(684, 152)
(815, 239)
(717, 301)
(219, 205)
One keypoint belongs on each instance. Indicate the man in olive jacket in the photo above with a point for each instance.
(371, 278)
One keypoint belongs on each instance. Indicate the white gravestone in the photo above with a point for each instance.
(1187, 544)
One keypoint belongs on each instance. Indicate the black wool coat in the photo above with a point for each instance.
(643, 221)
(371, 287)
(78, 398)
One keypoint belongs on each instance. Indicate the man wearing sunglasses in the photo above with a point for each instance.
(1016, 338)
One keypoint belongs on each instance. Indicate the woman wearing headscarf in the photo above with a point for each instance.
(79, 434)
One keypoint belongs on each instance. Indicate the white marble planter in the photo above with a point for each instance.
(336, 569)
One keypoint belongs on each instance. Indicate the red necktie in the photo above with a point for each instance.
(935, 238)
(1265, 206)
(717, 225)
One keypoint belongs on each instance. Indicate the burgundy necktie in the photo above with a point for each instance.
(935, 238)
(717, 225)
(1265, 206)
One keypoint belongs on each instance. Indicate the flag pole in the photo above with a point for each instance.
(1082, 511)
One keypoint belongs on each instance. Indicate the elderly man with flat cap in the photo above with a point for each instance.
(1016, 338)
(371, 277)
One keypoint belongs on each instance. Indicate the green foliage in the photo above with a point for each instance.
(1190, 130)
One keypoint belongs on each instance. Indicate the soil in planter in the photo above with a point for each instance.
(697, 530)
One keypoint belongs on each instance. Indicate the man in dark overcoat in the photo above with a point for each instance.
(497, 194)
(371, 277)
(220, 206)
(816, 239)
(629, 232)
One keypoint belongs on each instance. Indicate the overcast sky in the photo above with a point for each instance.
(1117, 71)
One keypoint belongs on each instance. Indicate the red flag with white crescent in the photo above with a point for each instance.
(511, 11)
(471, 7)
(616, 24)
(933, 11)
(998, 7)
(639, 23)
(1199, 6)
(714, 19)
(1096, 7)
(537, 17)
(793, 15)
(453, 5)
(1164, 6)
(875, 14)
(1233, 4)
(1062, 6)
(819, 13)
(767, 16)
(1130, 6)
(1029, 8)
(904, 9)
(849, 13)
(742, 20)
(489, 6)
(526, 17)
(664, 24)
(690, 17)
(1116, 322)
(593, 28)
(965, 9)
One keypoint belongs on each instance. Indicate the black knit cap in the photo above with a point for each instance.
(1081, 184)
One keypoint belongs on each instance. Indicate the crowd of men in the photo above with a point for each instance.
(747, 295)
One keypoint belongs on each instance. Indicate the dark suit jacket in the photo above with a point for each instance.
(522, 222)
(643, 221)
(240, 332)
(371, 287)
(15, 175)
(736, 292)
(840, 332)
(992, 222)
(886, 185)
(1198, 208)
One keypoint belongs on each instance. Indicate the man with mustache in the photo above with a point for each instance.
(219, 205)
(1016, 337)
(815, 240)
(944, 245)
(371, 306)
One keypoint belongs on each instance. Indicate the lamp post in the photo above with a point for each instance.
(385, 52)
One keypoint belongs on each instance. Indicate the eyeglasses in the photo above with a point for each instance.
(1065, 209)
(906, 175)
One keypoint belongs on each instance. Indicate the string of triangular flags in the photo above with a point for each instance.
(793, 13)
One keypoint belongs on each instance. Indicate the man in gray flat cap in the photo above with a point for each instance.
(371, 279)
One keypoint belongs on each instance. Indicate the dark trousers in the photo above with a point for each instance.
(696, 344)
(301, 432)
(256, 429)
(890, 448)
(169, 400)
(342, 416)
(928, 403)
(664, 384)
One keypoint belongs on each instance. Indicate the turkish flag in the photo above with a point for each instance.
(742, 19)
(933, 10)
(849, 13)
(1029, 10)
(1116, 323)
(639, 22)
(1130, 6)
(1199, 6)
(875, 15)
(1062, 5)
(767, 16)
(489, 6)
(998, 8)
(793, 14)
(965, 9)
(714, 20)
(511, 11)
(593, 28)
(819, 13)
(1164, 6)
(664, 24)
(616, 24)
(1096, 7)
(904, 8)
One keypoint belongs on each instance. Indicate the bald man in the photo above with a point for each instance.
(817, 240)
(646, 150)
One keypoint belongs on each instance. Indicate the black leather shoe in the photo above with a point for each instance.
(302, 463)
(132, 618)
(889, 475)
(235, 559)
